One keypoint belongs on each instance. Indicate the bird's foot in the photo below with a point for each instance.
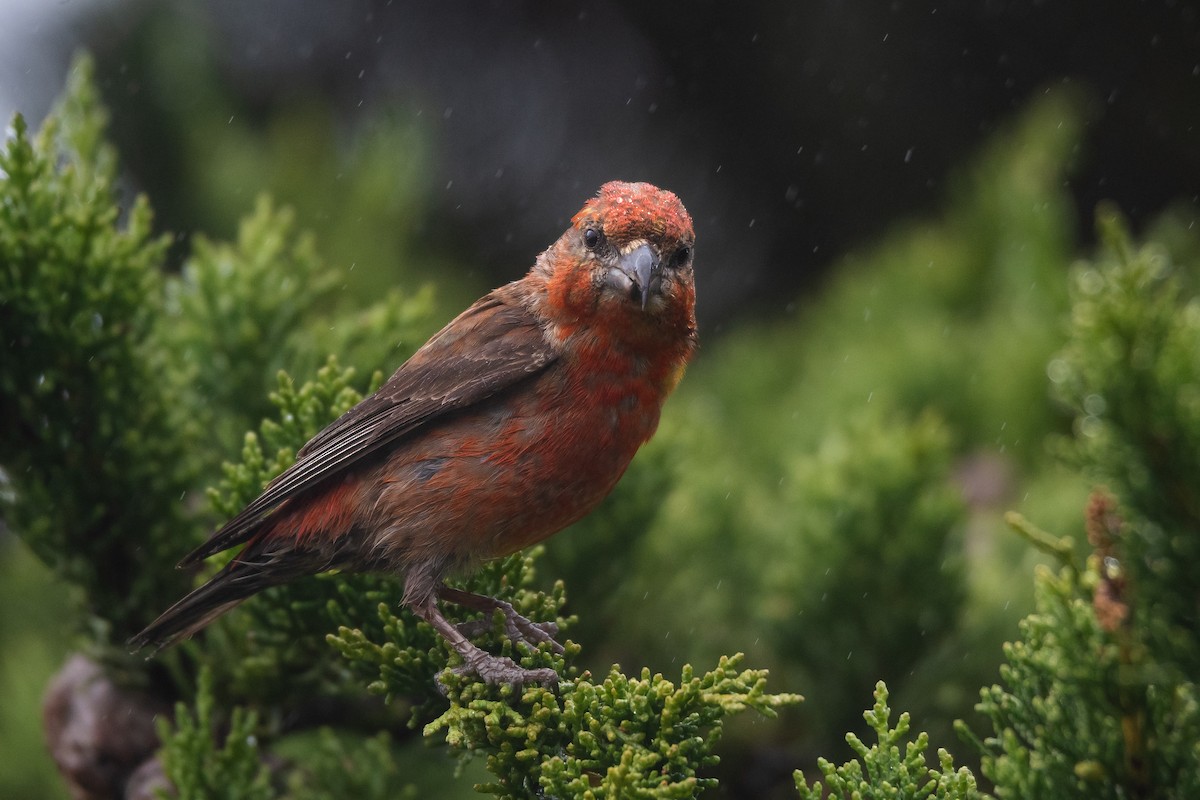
(516, 627)
(496, 670)
(500, 671)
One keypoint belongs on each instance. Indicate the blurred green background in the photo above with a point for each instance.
(888, 202)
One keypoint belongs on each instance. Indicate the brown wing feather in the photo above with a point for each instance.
(490, 346)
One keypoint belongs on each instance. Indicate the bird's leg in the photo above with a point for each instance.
(489, 668)
(516, 627)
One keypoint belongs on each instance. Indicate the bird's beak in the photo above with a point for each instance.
(638, 273)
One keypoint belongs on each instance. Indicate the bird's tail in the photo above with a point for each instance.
(233, 584)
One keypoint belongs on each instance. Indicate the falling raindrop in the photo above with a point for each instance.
(1090, 426)
(1058, 370)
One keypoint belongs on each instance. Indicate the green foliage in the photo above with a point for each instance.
(300, 412)
(339, 769)
(238, 307)
(643, 737)
(242, 311)
(880, 487)
(27, 656)
(114, 375)
(1131, 375)
(198, 767)
(1084, 712)
(885, 774)
(623, 737)
(958, 312)
(1098, 696)
(118, 385)
(363, 189)
(90, 436)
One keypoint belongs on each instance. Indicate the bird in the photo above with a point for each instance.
(508, 425)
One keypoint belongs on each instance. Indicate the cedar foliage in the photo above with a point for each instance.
(816, 511)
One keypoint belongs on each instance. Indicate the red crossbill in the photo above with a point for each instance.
(511, 423)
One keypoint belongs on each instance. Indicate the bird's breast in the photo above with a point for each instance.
(518, 468)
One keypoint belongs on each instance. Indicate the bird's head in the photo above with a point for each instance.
(627, 259)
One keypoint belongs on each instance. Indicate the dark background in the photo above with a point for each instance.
(793, 131)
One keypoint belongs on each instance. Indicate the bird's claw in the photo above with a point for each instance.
(517, 629)
(501, 671)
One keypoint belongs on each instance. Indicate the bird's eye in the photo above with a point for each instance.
(682, 255)
(591, 238)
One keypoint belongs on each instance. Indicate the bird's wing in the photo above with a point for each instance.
(489, 347)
